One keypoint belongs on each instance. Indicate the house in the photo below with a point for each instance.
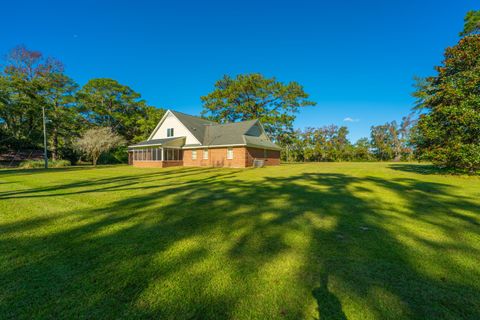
(183, 140)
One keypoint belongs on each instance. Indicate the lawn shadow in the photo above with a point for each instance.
(157, 253)
(329, 306)
(425, 169)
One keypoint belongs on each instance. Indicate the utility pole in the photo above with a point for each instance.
(45, 156)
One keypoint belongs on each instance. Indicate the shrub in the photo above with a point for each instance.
(32, 164)
(115, 156)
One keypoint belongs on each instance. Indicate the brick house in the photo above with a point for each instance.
(183, 140)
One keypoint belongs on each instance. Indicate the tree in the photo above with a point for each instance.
(148, 123)
(252, 96)
(64, 121)
(361, 150)
(382, 141)
(472, 23)
(448, 131)
(107, 103)
(96, 141)
(405, 136)
(328, 143)
(22, 86)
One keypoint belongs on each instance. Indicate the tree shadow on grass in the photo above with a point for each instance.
(329, 306)
(425, 169)
(92, 185)
(216, 245)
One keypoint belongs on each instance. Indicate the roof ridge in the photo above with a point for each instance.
(192, 116)
(239, 122)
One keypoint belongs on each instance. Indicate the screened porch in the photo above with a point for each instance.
(156, 154)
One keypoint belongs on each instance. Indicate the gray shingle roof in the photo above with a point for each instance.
(260, 142)
(197, 126)
(229, 133)
(210, 133)
(156, 142)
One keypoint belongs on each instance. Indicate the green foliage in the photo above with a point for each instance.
(33, 164)
(64, 123)
(472, 23)
(327, 143)
(107, 103)
(392, 141)
(22, 82)
(252, 96)
(30, 82)
(448, 132)
(115, 156)
(148, 123)
(330, 143)
(361, 150)
(382, 141)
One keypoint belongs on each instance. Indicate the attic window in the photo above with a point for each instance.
(169, 132)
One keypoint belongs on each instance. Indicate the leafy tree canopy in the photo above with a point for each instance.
(472, 23)
(252, 96)
(449, 132)
(107, 103)
(24, 81)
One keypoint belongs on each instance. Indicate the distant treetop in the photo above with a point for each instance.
(472, 23)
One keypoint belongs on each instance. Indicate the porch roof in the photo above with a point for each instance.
(173, 142)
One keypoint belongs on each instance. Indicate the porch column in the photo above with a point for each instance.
(161, 153)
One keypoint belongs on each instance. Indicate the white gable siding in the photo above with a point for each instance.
(179, 130)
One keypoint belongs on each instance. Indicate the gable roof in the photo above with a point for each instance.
(197, 126)
(228, 133)
(211, 133)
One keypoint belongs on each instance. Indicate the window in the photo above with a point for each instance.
(170, 132)
(194, 154)
(205, 154)
(230, 153)
(265, 153)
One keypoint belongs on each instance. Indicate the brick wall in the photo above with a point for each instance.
(217, 157)
(271, 157)
(157, 164)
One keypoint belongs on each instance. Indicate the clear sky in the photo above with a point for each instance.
(356, 59)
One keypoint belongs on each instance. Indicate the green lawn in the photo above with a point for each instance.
(328, 241)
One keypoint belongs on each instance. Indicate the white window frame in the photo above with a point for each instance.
(229, 153)
(170, 132)
(194, 154)
(205, 154)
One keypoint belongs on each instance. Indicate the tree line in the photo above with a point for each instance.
(446, 132)
(390, 141)
(29, 81)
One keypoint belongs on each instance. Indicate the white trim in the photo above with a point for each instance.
(212, 146)
(143, 155)
(233, 145)
(163, 119)
(215, 146)
(153, 145)
(230, 153)
(158, 125)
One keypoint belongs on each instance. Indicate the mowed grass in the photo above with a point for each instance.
(313, 241)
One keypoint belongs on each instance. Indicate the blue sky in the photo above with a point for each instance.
(356, 59)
